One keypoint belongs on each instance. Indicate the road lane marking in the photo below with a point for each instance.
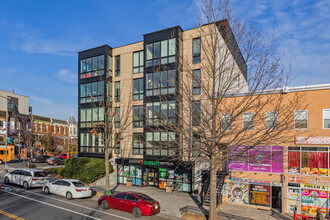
(10, 215)
(81, 206)
(54, 206)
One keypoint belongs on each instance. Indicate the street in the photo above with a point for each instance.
(18, 203)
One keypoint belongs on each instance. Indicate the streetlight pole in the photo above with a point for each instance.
(6, 148)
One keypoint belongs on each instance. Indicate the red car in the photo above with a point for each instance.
(65, 156)
(133, 202)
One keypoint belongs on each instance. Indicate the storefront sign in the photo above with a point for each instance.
(312, 140)
(301, 179)
(310, 186)
(277, 183)
(260, 182)
(258, 159)
(150, 163)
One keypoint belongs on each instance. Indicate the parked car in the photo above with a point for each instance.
(133, 202)
(65, 156)
(70, 188)
(56, 161)
(27, 178)
(40, 159)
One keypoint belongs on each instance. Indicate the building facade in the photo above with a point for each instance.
(294, 173)
(140, 83)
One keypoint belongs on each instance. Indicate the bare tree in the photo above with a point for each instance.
(112, 125)
(28, 135)
(231, 96)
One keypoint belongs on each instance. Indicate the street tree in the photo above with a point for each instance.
(232, 93)
(111, 124)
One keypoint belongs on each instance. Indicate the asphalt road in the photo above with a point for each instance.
(18, 203)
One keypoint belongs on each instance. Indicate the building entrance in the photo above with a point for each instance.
(277, 198)
(152, 176)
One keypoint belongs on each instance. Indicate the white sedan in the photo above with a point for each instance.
(70, 188)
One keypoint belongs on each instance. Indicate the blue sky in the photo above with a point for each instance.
(39, 39)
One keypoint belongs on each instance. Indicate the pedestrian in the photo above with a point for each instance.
(319, 215)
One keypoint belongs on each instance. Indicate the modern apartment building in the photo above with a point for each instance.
(294, 173)
(139, 82)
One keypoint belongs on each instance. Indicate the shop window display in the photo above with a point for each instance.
(313, 199)
(259, 195)
(308, 160)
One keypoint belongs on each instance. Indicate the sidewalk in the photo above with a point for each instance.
(171, 203)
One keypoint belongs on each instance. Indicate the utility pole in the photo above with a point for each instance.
(19, 145)
(6, 148)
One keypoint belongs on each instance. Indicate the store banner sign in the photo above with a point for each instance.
(259, 195)
(311, 186)
(258, 159)
(312, 140)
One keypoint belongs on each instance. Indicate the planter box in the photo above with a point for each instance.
(129, 183)
(168, 189)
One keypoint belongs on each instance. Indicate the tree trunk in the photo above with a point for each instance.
(106, 161)
(213, 189)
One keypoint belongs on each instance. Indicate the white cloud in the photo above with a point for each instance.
(67, 76)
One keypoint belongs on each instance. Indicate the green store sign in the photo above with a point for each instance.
(150, 163)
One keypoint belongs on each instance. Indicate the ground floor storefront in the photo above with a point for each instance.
(155, 173)
(263, 193)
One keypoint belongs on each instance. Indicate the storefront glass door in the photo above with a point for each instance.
(152, 176)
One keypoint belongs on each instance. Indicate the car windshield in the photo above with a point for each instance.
(145, 197)
(40, 174)
(78, 184)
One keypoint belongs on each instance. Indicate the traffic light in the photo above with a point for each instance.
(10, 140)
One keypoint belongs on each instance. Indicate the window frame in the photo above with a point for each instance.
(199, 54)
(295, 121)
(324, 118)
(245, 126)
(226, 116)
(117, 65)
(196, 113)
(117, 144)
(276, 114)
(139, 95)
(140, 67)
(139, 144)
(117, 91)
(164, 58)
(196, 83)
(140, 116)
(117, 117)
(86, 72)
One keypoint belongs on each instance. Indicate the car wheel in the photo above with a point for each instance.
(137, 212)
(6, 180)
(105, 204)
(46, 190)
(26, 185)
(69, 196)
(1, 162)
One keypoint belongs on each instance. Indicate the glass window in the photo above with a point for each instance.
(117, 91)
(160, 83)
(92, 92)
(271, 120)
(92, 67)
(300, 119)
(138, 143)
(138, 89)
(326, 118)
(117, 117)
(197, 82)
(138, 62)
(226, 121)
(117, 65)
(248, 121)
(117, 144)
(196, 113)
(138, 116)
(165, 50)
(196, 50)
